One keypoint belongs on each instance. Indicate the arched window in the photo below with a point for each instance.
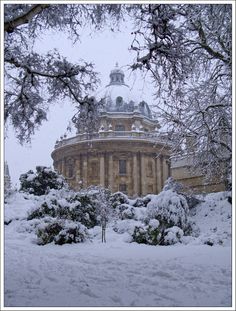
(119, 101)
(149, 169)
(93, 169)
(122, 167)
(70, 171)
(70, 168)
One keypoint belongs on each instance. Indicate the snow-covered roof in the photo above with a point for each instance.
(119, 97)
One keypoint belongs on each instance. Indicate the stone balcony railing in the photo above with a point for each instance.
(154, 137)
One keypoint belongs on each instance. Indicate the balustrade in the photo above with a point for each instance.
(108, 135)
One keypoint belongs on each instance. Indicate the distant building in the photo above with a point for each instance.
(128, 153)
(7, 179)
(181, 171)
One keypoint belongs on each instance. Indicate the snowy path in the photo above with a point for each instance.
(115, 274)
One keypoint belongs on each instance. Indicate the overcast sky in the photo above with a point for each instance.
(104, 49)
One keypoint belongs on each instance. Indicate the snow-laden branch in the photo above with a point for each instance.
(12, 24)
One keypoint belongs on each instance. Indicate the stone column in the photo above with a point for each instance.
(102, 170)
(110, 172)
(77, 171)
(165, 170)
(135, 175)
(85, 171)
(63, 168)
(158, 174)
(143, 176)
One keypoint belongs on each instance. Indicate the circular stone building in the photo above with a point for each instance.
(127, 153)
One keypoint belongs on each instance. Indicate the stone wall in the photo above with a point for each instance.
(180, 171)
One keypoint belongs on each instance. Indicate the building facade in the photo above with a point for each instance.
(193, 181)
(127, 154)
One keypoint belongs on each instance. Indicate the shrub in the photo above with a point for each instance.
(172, 184)
(138, 202)
(128, 213)
(40, 182)
(75, 233)
(149, 234)
(173, 235)
(61, 232)
(169, 208)
(142, 202)
(47, 232)
(140, 235)
(118, 198)
(166, 220)
(76, 207)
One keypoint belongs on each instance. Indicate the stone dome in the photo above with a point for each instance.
(119, 98)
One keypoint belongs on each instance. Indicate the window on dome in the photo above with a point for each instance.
(122, 167)
(119, 101)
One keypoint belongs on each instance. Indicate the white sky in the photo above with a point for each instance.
(104, 49)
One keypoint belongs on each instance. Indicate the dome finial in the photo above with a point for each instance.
(117, 65)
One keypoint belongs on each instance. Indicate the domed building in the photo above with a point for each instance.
(127, 154)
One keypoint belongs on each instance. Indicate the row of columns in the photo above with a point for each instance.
(139, 178)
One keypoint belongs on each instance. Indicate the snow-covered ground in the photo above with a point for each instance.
(119, 273)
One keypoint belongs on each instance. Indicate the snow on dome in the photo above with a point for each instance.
(119, 98)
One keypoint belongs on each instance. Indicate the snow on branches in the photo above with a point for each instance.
(33, 80)
(188, 51)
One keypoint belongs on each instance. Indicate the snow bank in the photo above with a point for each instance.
(213, 217)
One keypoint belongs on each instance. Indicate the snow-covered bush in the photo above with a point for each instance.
(118, 198)
(148, 234)
(140, 234)
(166, 220)
(60, 232)
(72, 233)
(41, 181)
(126, 225)
(173, 235)
(124, 211)
(75, 206)
(191, 229)
(138, 202)
(142, 202)
(213, 219)
(172, 184)
(82, 208)
(128, 213)
(169, 208)
(47, 232)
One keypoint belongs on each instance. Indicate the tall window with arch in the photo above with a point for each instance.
(122, 167)
(150, 169)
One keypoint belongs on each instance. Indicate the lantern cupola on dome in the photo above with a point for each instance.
(117, 76)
